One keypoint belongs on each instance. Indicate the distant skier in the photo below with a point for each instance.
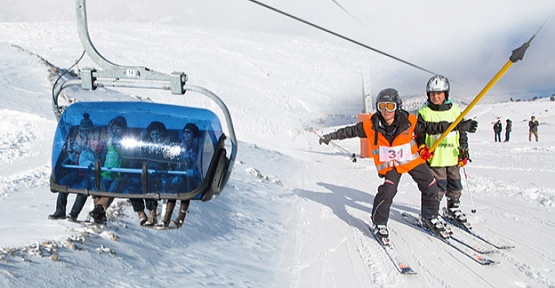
(451, 153)
(508, 129)
(497, 127)
(533, 124)
(390, 133)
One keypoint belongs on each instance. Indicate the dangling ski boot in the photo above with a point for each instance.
(168, 214)
(151, 218)
(182, 213)
(99, 214)
(382, 234)
(436, 225)
(142, 217)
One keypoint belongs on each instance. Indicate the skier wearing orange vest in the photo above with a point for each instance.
(390, 136)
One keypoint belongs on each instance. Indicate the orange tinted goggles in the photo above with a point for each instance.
(389, 106)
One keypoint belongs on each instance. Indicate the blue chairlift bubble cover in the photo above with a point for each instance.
(106, 148)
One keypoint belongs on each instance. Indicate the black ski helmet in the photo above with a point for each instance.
(118, 121)
(389, 95)
(438, 83)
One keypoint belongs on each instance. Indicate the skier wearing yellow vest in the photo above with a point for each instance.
(390, 135)
(451, 153)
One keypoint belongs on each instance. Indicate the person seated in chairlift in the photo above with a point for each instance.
(155, 142)
(82, 150)
(112, 156)
(188, 160)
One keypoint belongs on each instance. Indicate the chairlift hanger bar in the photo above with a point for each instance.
(114, 72)
(115, 75)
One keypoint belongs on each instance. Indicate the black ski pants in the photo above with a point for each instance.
(61, 204)
(386, 192)
(139, 204)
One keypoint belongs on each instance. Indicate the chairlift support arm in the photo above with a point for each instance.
(115, 73)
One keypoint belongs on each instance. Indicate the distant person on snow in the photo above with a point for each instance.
(390, 133)
(451, 153)
(508, 129)
(533, 124)
(497, 127)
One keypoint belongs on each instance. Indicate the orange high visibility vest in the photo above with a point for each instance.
(402, 154)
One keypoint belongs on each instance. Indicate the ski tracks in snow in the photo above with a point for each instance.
(431, 259)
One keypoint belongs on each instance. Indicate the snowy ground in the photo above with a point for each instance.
(293, 212)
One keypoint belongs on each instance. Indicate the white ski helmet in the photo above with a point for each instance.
(438, 83)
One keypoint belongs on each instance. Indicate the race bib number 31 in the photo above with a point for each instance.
(399, 153)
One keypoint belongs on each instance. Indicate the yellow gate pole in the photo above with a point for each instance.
(517, 55)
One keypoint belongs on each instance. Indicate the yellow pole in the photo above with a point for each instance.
(473, 103)
(517, 55)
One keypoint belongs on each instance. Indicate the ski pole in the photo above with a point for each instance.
(351, 155)
(473, 209)
(517, 54)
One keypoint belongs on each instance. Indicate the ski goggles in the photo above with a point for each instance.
(389, 106)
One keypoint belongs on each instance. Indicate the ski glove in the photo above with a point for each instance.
(468, 125)
(464, 157)
(325, 139)
(425, 153)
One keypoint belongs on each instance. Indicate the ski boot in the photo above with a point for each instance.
(382, 234)
(457, 217)
(98, 214)
(72, 218)
(142, 217)
(151, 218)
(183, 208)
(57, 216)
(166, 219)
(437, 226)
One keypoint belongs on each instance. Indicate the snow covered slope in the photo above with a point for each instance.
(293, 212)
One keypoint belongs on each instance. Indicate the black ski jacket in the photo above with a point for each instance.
(400, 124)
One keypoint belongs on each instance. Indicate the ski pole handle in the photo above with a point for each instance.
(351, 155)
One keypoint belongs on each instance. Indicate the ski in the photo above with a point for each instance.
(402, 266)
(477, 257)
(476, 235)
(476, 248)
(485, 240)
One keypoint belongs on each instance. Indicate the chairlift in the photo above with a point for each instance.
(91, 156)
